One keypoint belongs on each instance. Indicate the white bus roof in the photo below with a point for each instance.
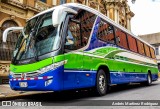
(96, 13)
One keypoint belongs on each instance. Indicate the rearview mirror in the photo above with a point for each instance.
(5, 33)
(58, 14)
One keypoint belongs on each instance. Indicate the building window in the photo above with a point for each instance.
(157, 50)
(105, 32)
(121, 38)
(43, 1)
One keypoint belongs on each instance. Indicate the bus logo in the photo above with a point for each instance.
(23, 75)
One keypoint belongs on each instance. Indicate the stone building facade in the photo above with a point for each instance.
(17, 12)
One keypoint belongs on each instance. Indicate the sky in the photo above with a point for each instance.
(147, 16)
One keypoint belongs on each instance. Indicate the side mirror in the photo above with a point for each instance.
(5, 33)
(58, 14)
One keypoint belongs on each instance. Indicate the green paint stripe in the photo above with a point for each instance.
(30, 67)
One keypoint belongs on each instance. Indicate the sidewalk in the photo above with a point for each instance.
(7, 93)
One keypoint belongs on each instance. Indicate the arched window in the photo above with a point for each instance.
(6, 49)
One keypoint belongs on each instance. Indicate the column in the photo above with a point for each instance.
(115, 15)
(128, 18)
(86, 2)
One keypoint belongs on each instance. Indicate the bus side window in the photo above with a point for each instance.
(132, 43)
(105, 32)
(140, 47)
(152, 52)
(73, 36)
(121, 38)
(146, 47)
(79, 27)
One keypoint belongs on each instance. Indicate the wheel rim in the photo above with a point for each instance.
(102, 83)
(149, 79)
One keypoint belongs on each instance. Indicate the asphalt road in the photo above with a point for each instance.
(72, 99)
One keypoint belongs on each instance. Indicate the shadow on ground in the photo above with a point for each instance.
(65, 97)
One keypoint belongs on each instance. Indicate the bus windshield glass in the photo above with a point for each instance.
(37, 38)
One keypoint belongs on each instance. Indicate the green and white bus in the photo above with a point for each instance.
(73, 46)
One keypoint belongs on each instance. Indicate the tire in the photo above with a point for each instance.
(149, 79)
(101, 83)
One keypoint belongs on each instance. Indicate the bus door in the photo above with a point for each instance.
(74, 58)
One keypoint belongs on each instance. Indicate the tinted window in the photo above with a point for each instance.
(147, 50)
(140, 47)
(132, 43)
(79, 30)
(105, 32)
(121, 38)
(152, 53)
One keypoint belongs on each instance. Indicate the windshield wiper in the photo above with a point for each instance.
(32, 43)
(25, 38)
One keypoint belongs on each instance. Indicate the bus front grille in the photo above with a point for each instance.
(28, 75)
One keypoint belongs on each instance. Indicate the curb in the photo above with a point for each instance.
(4, 97)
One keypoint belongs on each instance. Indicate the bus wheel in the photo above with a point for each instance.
(149, 79)
(101, 83)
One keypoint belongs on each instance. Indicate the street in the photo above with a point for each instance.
(88, 98)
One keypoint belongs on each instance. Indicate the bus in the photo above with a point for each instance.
(73, 46)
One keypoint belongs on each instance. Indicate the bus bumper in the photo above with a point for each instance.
(49, 81)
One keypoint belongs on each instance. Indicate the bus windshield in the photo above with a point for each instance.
(37, 38)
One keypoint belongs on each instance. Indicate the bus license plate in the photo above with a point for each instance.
(23, 84)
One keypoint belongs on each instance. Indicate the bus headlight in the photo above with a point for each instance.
(48, 82)
(52, 67)
(11, 73)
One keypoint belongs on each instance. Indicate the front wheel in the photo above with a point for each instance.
(101, 83)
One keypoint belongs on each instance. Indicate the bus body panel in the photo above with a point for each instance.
(38, 82)
(81, 67)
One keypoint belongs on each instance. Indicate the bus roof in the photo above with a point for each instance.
(96, 13)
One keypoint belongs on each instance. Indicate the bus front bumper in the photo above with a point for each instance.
(49, 81)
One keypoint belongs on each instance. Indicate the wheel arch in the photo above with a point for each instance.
(150, 73)
(106, 70)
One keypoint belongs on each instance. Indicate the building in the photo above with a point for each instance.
(154, 40)
(17, 12)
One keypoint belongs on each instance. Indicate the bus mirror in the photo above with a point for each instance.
(58, 15)
(5, 33)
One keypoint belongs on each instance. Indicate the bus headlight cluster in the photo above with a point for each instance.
(11, 73)
(53, 66)
(48, 82)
